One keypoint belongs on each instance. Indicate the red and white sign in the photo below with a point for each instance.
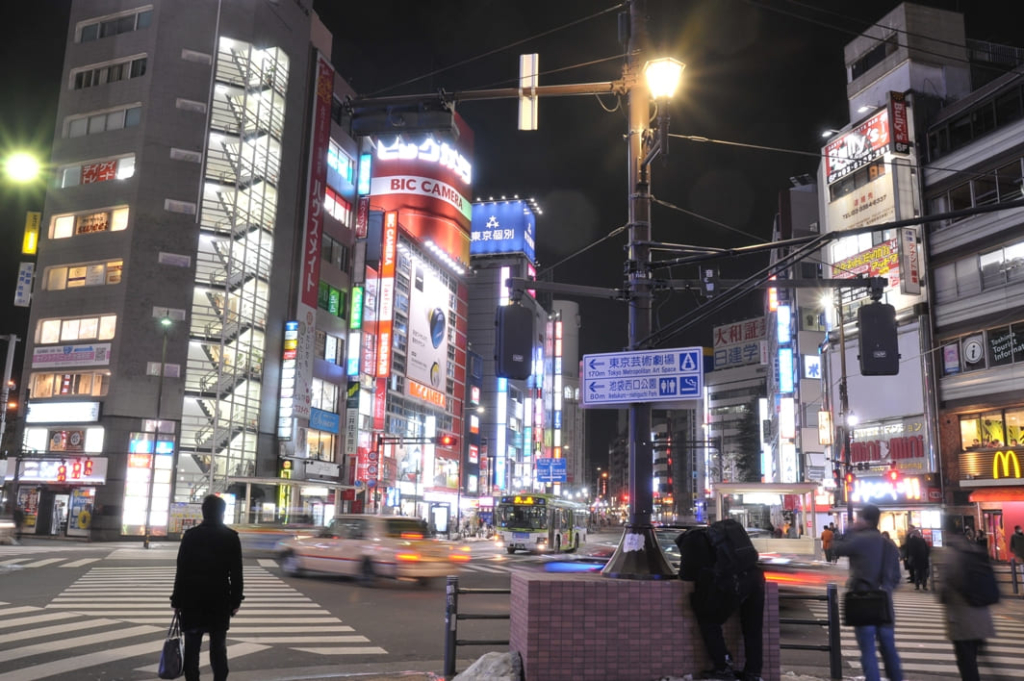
(380, 397)
(423, 186)
(99, 172)
(900, 125)
(739, 332)
(362, 217)
(910, 283)
(319, 141)
(387, 293)
(857, 148)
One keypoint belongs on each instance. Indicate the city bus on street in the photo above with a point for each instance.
(540, 522)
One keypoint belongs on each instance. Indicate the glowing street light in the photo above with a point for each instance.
(663, 77)
(22, 167)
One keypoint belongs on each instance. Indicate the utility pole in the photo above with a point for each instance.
(5, 391)
(844, 409)
(638, 555)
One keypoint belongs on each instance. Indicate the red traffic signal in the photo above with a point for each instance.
(893, 475)
(445, 440)
(850, 477)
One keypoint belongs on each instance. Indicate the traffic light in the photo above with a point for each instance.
(893, 475)
(850, 477)
(446, 440)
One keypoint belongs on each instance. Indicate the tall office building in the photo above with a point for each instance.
(166, 358)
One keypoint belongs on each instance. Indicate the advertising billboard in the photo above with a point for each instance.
(312, 235)
(505, 227)
(878, 261)
(386, 288)
(739, 343)
(427, 361)
(872, 204)
(857, 148)
(428, 180)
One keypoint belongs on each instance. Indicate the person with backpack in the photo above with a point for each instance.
(967, 588)
(723, 564)
(874, 565)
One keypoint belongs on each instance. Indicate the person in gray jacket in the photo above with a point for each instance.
(874, 564)
(967, 626)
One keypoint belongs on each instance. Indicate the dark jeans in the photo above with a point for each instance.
(752, 623)
(218, 654)
(967, 659)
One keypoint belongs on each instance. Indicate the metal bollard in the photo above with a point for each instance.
(1013, 579)
(451, 613)
(835, 651)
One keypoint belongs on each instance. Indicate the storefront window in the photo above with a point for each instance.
(993, 433)
(970, 433)
(1015, 426)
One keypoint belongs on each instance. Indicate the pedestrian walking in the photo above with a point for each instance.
(19, 522)
(874, 564)
(208, 587)
(919, 556)
(826, 542)
(966, 590)
(722, 563)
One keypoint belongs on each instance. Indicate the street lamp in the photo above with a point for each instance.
(22, 167)
(165, 324)
(638, 555)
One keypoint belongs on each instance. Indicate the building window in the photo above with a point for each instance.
(335, 253)
(329, 347)
(337, 207)
(112, 220)
(875, 56)
(95, 123)
(82, 274)
(325, 396)
(52, 331)
(341, 162)
(97, 171)
(105, 27)
(984, 117)
(94, 76)
(60, 385)
(321, 445)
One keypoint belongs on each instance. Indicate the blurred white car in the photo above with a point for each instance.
(373, 546)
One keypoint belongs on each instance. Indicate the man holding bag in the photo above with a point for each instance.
(208, 588)
(874, 571)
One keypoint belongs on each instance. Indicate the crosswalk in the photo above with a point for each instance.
(112, 614)
(922, 643)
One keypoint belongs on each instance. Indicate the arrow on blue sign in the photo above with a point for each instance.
(594, 364)
(595, 386)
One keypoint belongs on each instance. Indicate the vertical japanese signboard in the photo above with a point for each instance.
(309, 283)
(387, 293)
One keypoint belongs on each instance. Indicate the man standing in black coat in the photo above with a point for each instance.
(208, 588)
(919, 557)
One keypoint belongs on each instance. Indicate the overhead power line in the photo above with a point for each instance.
(489, 53)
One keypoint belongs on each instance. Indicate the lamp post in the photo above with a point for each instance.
(22, 167)
(638, 555)
(165, 324)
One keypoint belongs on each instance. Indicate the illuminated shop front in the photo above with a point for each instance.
(990, 469)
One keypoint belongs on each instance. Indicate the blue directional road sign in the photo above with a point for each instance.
(617, 379)
(551, 470)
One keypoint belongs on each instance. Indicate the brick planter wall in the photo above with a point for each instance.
(591, 628)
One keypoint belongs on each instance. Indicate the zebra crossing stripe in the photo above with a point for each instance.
(79, 563)
(65, 628)
(267, 562)
(21, 621)
(77, 663)
(370, 650)
(92, 639)
(41, 563)
(235, 651)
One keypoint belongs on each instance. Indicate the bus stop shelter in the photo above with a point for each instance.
(805, 545)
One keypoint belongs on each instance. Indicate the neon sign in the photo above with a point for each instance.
(1006, 459)
(907, 489)
(429, 151)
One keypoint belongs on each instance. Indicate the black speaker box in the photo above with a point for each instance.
(513, 346)
(879, 342)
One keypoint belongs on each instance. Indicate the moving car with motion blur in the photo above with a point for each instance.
(371, 547)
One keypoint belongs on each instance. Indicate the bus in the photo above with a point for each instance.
(540, 522)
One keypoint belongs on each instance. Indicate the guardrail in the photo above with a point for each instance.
(452, 616)
(834, 645)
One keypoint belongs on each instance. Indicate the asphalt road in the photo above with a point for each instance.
(87, 611)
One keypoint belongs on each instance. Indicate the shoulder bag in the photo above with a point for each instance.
(869, 608)
(172, 663)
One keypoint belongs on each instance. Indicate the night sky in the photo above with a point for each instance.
(766, 72)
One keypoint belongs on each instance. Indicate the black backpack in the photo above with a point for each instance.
(977, 583)
(735, 556)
